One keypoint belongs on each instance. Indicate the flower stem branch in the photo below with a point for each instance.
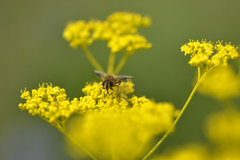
(120, 65)
(92, 60)
(200, 79)
(111, 62)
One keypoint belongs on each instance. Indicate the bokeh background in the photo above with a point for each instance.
(33, 51)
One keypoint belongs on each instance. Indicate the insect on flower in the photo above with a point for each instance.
(110, 80)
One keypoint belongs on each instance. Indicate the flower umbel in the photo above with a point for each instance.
(119, 30)
(222, 84)
(122, 129)
(208, 56)
(49, 102)
(130, 121)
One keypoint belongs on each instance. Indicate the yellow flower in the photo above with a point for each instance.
(129, 44)
(119, 26)
(109, 126)
(50, 103)
(202, 53)
(187, 152)
(127, 23)
(223, 128)
(221, 84)
(122, 134)
(78, 33)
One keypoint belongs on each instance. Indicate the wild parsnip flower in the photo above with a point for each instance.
(127, 23)
(51, 103)
(223, 128)
(48, 102)
(119, 26)
(124, 133)
(221, 84)
(129, 44)
(187, 152)
(208, 56)
(79, 33)
(109, 126)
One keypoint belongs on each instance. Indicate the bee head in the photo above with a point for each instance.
(107, 84)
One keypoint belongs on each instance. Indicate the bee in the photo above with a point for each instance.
(110, 80)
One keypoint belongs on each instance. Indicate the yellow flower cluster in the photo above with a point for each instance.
(187, 152)
(131, 44)
(110, 126)
(202, 53)
(122, 135)
(49, 102)
(79, 33)
(119, 30)
(221, 84)
(223, 128)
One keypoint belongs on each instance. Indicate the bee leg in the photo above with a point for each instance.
(105, 87)
(119, 82)
(112, 91)
(117, 89)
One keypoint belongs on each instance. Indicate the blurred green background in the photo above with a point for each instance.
(33, 51)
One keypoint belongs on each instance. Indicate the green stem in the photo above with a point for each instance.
(111, 63)
(92, 60)
(120, 65)
(178, 117)
(199, 73)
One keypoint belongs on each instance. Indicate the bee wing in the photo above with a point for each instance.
(123, 77)
(100, 74)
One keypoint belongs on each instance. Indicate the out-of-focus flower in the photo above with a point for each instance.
(187, 152)
(221, 84)
(122, 134)
(119, 30)
(223, 128)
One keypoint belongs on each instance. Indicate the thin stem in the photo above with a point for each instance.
(92, 60)
(111, 63)
(120, 65)
(199, 73)
(178, 117)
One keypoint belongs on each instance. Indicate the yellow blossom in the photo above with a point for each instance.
(50, 103)
(129, 44)
(122, 134)
(223, 128)
(119, 26)
(109, 126)
(78, 33)
(187, 152)
(208, 56)
(221, 84)
(127, 23)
